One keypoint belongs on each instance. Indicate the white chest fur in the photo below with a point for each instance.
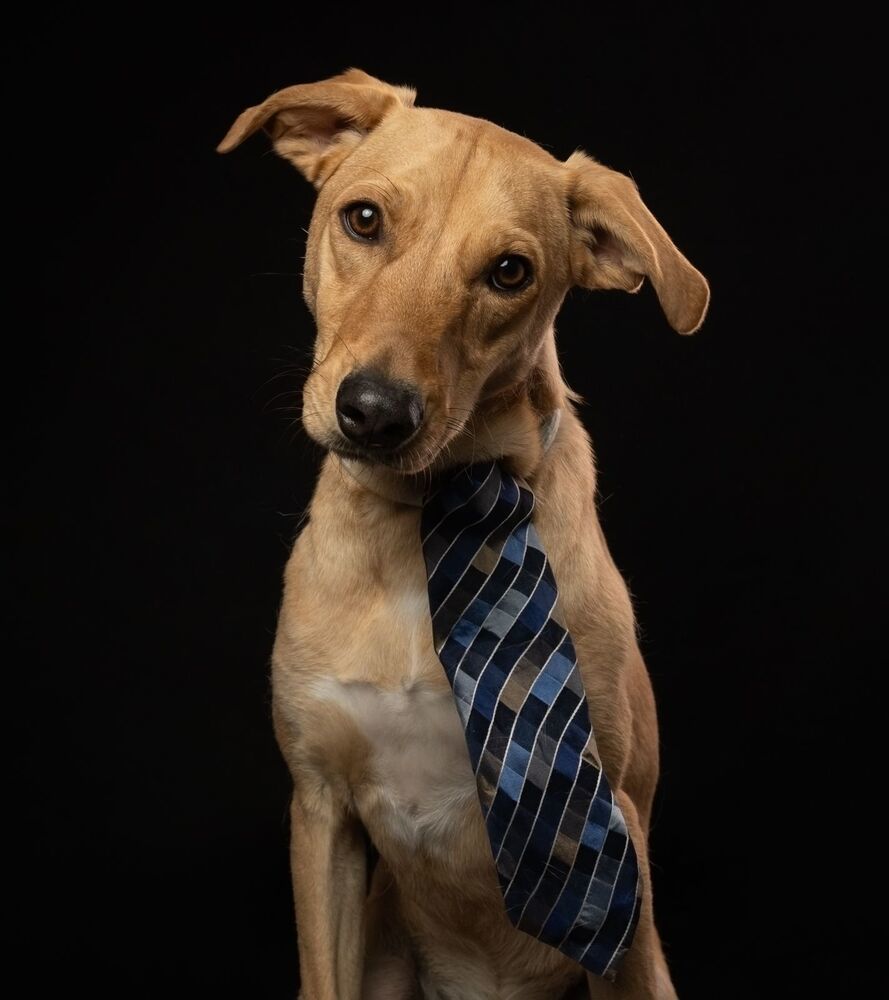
(422, 781)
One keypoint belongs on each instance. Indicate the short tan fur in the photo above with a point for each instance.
(363, 712)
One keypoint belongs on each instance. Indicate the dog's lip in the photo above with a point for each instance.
(381, 456)
(386, 458)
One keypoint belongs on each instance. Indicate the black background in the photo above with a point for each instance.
(162, 473)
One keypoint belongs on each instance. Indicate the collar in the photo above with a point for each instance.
(549, 428)
(409, 490)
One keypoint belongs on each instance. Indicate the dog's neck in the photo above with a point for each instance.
(517, 425)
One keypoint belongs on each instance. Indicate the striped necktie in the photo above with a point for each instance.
(565, 862)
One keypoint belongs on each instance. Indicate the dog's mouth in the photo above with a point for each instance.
(373, 456)
(404, 459)
(415, 457)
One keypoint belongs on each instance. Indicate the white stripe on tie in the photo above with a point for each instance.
(445, 516)
(561, 818)
(518, 570)
(610, 898)
(443, 601)
(481, 672)
(542, 798)
(431, 572)
(519, 659)
(593, 876)
(536, 731)
(574, 859)
(623, 936)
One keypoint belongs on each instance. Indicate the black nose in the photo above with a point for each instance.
(375, 412)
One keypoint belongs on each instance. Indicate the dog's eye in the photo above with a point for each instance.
(511, 273)
(362, 220)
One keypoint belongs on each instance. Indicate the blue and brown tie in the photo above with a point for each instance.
(564, 858)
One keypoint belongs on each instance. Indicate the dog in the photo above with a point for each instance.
(439, 252)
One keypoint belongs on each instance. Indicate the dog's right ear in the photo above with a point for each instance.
(317, 125)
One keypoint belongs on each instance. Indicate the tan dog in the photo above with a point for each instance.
(439, 252)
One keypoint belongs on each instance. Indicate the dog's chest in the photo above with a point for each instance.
(420, 782)
(418, 788)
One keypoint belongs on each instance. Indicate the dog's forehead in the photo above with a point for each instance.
(444, 128)
(438, 153)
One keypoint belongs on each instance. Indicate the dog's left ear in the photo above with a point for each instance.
(618, 243)
(316, 125)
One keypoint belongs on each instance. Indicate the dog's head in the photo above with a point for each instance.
(439, 252)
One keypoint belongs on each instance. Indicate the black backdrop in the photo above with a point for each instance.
(162, 474)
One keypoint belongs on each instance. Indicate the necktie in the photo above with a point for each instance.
(564, 860)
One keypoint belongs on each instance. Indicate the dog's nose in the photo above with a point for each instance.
(375, 412)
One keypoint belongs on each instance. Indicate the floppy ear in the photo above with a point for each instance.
(317, 125)
(618, 243)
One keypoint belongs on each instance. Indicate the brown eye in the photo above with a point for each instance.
(362, 220)
(511, 273)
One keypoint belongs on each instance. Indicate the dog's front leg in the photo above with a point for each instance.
(328, 862)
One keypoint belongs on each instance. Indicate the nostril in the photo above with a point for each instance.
(393, 432)
(352, 413)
